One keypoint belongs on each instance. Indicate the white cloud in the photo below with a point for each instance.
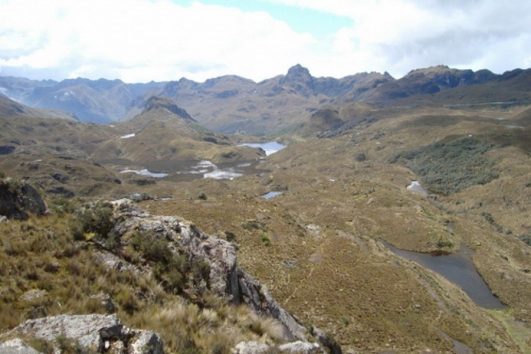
(400, 35)
(142, 40)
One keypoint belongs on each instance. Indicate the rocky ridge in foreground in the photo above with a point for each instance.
(105, 333)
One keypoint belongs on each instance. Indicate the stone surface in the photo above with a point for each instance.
(298, 347)
(146, 342)
(19, 199)
(251, 348)
(16, 346)
(225, 277)
(33, 295)
(93, 333)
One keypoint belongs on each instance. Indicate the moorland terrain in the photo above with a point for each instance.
(437, 163)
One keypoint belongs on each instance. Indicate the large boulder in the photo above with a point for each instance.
(19, 199)
(90, 333)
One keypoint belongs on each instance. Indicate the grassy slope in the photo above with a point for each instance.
(41, 254)
(341, 278)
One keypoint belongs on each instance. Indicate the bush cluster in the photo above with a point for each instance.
(451, 165)
(171, 268)
(95, 221)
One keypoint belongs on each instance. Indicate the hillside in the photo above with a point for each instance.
(12, 109)
(393, 221)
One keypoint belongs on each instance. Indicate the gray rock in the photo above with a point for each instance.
(33, 295)
(113, 262)
(146, 342)
(88, 331)
(16, 346)
(251, 348)
(299, 347)
(19, 199)
(225, 277)
(92, 333)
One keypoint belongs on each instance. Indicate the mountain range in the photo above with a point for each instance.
(232, 104)
(392, 216)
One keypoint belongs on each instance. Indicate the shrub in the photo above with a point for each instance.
(451, 165)
(94, 220)
(526, 239)
(444, 243)
(265, 240)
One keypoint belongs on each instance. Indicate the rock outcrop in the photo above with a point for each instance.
(226, 278)
(89, 333)
(297, 347)
(19, 199)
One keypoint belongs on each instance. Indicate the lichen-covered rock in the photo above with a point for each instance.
(16, 346)
(225, 277)
(146, 342)
(298, 347)
(251, 348)
(19, 199)
(92, 333)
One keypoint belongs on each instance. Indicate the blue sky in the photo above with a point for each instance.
(144, 40)
(318, 23)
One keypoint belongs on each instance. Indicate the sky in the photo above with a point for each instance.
(161, 40)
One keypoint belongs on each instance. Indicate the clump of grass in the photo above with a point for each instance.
(265, 240)
(451, 165)
(253, 224)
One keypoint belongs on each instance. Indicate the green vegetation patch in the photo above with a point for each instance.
(451, 165)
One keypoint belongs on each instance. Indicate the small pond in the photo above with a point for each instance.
(147, 173)
(271, 195)
(269, 147)
(460, 270)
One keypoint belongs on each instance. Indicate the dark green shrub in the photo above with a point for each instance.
(526, 239)
(444, 243)
(451, 165)
(93, 219)
(265, 240)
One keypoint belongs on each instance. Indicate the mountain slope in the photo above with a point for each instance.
(12, 109)
(99, 101)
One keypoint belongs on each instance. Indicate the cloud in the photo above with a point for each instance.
(142, 40)
(400, 35)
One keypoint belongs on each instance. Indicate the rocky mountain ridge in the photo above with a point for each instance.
(232, 103)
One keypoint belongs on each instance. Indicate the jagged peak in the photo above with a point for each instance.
(158, 102)
(298, 71)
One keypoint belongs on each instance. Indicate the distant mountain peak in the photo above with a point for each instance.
(157, 102)
(298, 72)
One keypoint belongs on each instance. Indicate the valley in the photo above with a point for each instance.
(392, 214)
